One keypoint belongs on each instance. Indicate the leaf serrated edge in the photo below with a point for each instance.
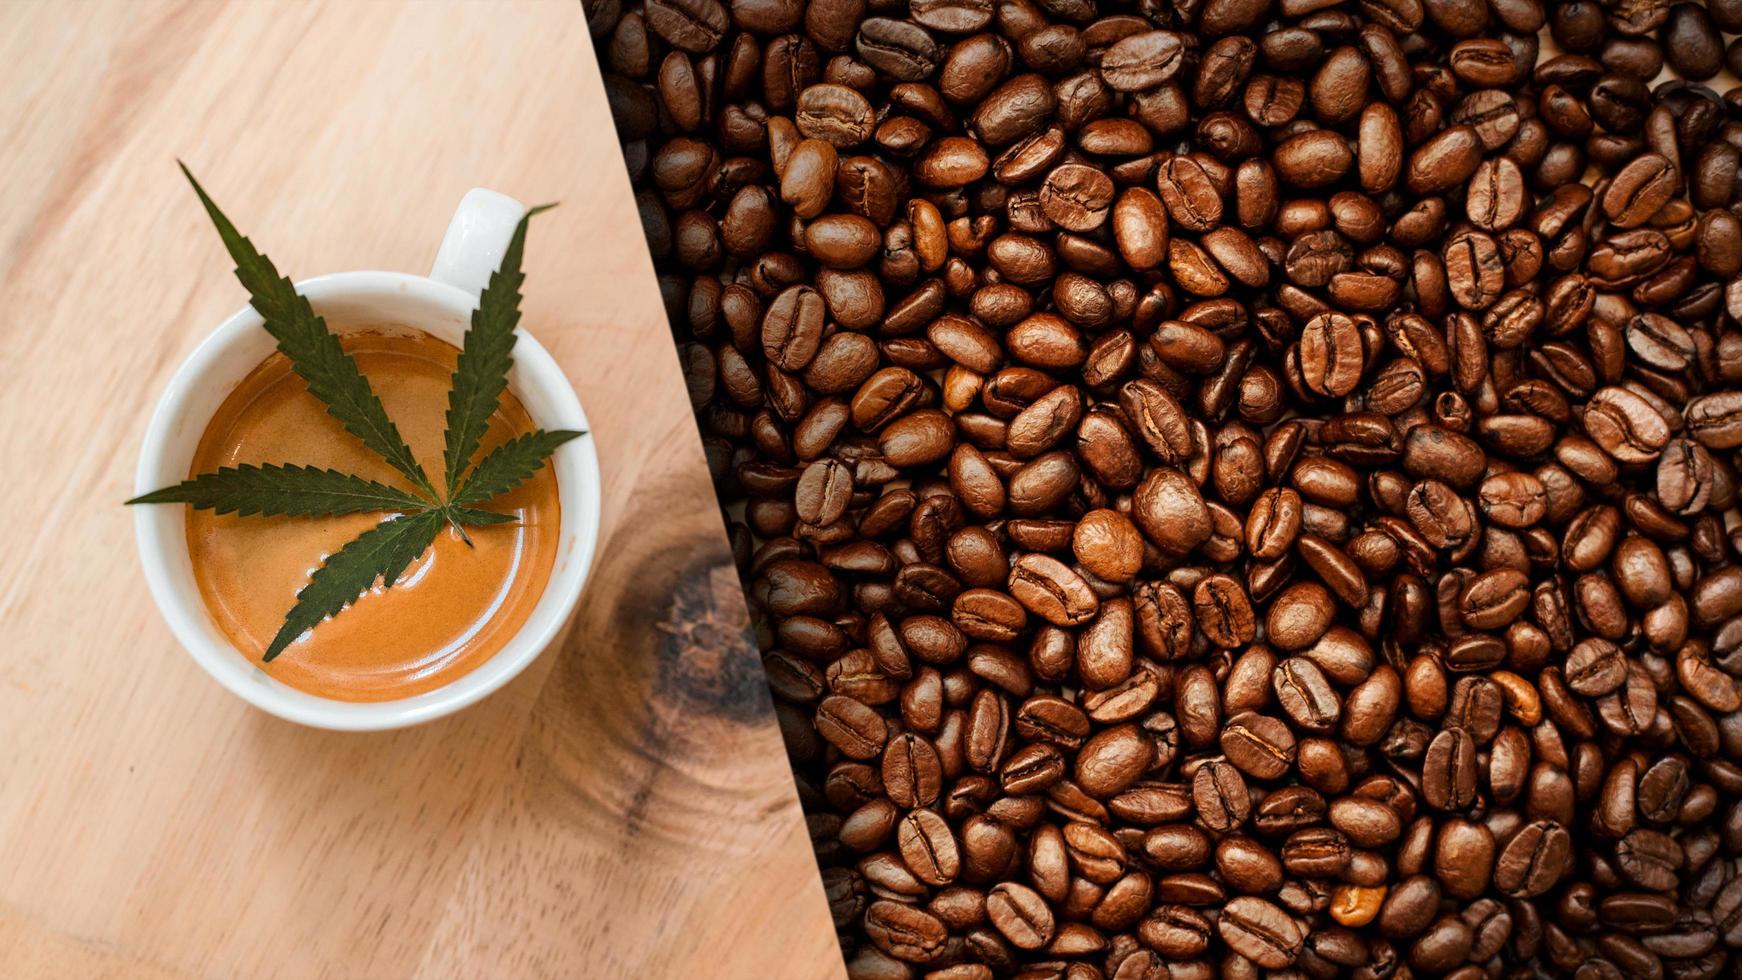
(284, 489)
(476, 517)
(510, 464)
(314, 351)
(380, 553)
(486, 354)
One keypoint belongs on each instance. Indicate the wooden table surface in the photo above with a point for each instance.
(624, 808)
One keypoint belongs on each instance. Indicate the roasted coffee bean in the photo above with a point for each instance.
(1305, 694)
(952, 16)
(1220, 794)
(928, 848)
(851, 726)
(1444, 161)
(807, 177)
(1300, 615)
(1649, 859)
(1191, 197)
(1176, 931)
(1114, 759)
(1224, 612)
(1228, 487)
(1715, 420)
(1448, 771)
(695, 26)
(899, 49)
(905, 932)
(1313, 159)
(1108, 545)
(1051, 590)
(1331, 354)
(1273, 523)
(1260, 931)
(1463, 857)
(1595, 667)
(1143, 60)
(1259, 745)
(1639, 190)
(912, 773)
(1367, 823)
(1691, 43)
(1533, 860)
(1494, 599)
(1021, 915)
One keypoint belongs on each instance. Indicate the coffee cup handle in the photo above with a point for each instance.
(476, 239)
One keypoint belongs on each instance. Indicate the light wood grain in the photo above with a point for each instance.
(624, 808)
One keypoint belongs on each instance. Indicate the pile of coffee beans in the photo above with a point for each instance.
(1226, 486)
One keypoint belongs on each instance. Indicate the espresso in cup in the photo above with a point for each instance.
(451, 610)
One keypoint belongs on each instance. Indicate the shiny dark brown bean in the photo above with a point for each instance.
(1260, 931)
(1533, 860)
(1230, 488)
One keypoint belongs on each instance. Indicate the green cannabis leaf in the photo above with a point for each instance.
(383, 552)
(473, 517)
(289, 490)
(314, 351)
(482, 369)
(509, 464)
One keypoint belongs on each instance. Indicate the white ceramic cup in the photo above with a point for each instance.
(441, 305)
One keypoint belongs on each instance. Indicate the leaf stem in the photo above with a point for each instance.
(455, 524)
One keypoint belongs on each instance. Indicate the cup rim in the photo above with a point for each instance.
(161, 531)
